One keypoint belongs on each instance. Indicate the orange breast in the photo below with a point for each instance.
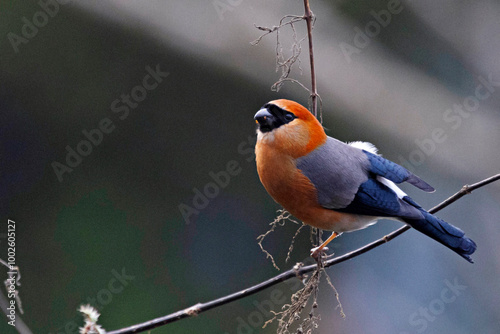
(294, 191)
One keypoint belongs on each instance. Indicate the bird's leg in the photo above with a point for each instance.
(317, 250)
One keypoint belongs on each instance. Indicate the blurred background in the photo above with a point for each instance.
(116, 117)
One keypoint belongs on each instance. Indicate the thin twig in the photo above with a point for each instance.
(282, 80)
(290, 249)
(291, 313)
(294, 272)
(313, 93)
(293, 19)
(279, 220)
(309, 17)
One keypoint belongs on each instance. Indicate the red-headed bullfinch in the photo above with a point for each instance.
(336, 186)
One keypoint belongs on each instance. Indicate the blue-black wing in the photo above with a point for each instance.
(394, 172)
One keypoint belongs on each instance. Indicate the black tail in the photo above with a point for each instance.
(447, 234)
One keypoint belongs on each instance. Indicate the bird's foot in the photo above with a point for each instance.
(317, 251)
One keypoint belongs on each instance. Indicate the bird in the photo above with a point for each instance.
(337, 186)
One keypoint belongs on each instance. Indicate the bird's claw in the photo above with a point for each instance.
(316, 251)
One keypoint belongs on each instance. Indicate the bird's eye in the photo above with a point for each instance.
(289, 117)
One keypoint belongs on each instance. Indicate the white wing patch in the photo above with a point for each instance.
(363, 145)
(372, 149)
(400, 193)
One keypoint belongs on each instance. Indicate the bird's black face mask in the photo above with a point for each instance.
(271, 117)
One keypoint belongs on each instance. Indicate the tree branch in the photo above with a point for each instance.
(297, 271)
(309, 17)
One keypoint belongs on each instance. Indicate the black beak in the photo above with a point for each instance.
(265, 120)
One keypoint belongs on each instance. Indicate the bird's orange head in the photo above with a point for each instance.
(289, 128)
